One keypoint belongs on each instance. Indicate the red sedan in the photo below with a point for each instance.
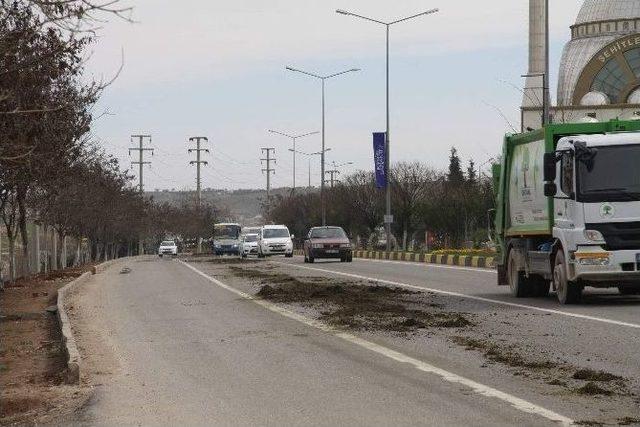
(327, 242)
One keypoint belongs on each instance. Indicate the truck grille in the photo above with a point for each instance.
(619, 235)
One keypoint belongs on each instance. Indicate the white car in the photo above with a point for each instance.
(249, 245)
(275, 240)
(168, 247)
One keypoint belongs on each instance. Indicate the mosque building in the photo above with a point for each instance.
(599, 76)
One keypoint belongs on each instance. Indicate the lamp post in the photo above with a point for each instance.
(387, 218)
(293, 139)
(319, 153)
(322, 79)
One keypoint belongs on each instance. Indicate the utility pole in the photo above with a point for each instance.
(269, 170)
(333, 173)
(140, 149)
(198, 162)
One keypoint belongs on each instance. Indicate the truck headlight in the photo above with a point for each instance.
(345, 245)
(216, 245)
(593, 235)
(317, 246)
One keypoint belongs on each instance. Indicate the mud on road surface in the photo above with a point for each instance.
(516, 347)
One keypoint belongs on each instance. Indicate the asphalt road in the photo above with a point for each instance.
(604, 303)
(192, 349)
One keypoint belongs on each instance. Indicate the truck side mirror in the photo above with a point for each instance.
(550, 189)
(550, 167)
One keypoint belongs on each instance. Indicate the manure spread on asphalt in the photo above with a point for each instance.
(503, 354)
(231, 260)
(582, 381)
(353, 305)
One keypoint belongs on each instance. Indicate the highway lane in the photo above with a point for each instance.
(601, 303)
(190, 352)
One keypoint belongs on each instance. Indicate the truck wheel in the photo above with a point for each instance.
(628, 290)
(517, 280)
(540, 286)
(311, 259)
(568, 292)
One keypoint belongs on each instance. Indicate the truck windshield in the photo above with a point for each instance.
(231, 232)
(611, 175)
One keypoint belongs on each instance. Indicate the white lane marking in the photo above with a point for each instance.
(471, 297)
(425, 264)
(515, 402)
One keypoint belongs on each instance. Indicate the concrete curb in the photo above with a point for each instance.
(72, 375)
(454, 260)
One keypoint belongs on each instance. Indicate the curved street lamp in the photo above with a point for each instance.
(323, 79)
(388, 218)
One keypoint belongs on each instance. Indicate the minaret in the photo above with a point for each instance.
(538, 58)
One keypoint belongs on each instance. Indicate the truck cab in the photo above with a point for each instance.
(568, 210)
(596, 209)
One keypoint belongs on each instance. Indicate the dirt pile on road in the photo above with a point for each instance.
(355, 305)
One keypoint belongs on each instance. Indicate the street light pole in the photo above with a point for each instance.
(294, 138)
(309, 155)
(387, 219)
(322, 152)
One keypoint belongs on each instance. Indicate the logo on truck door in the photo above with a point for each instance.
(607, 210)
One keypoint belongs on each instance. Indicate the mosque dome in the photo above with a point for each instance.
(603, 55)
(607, 10)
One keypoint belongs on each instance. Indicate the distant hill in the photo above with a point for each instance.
(244, 206)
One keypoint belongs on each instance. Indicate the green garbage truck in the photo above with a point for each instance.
(568, 210)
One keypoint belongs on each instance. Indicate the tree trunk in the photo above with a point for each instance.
(78, 261)
(22, 224)
(404, 238)
(63, 250)
(54, 249)
(12, 257)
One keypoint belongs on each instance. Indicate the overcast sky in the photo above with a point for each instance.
(217, 68)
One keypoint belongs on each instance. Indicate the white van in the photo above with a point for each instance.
(275, 240)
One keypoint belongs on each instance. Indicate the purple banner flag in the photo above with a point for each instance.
(379, 154)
